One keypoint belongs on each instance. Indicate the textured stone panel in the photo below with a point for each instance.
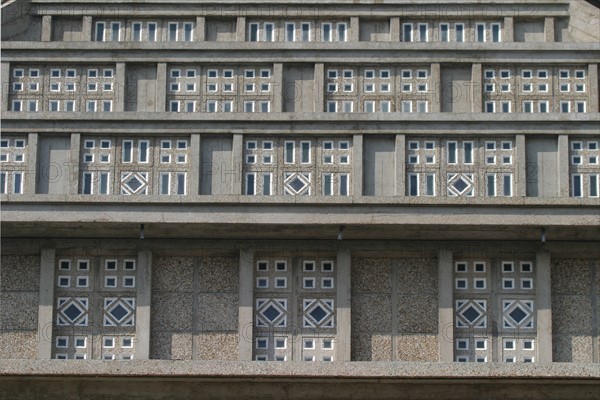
(420, 348)
(219, 274)
(18, 344)
(417, 276)
(570, 276)
(217, 346)
(417, 313)
(218, 312)
(372, 313)
(173, 274)
(371, 347)
(171, 346)
(371, 275)
(571, 348)
(572, 314)
(20, 273)
(19, 310)
(171, 311)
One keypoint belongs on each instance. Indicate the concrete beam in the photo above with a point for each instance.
(354, 29)
(549, 29)
(46, 28)
(278, 90)
(74, 160)
(120, 87)
(31, 174)
(344, 304)
(46, 304)
(593, 106)
(476, 89)
(195, 164)
(161, 87)
(400, 167)
(520, 183)
(240, 29)
(143, 302)
(543, 302)
(563, 166)
(445, 306)
(200, 33)
(436, 81)
(319, 87)
(246, 304)
(509, 29)
(237, 155)
(357, 165)
(394, 29)
(5, 81)
(86, 28)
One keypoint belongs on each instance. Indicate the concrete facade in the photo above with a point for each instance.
(403, 190)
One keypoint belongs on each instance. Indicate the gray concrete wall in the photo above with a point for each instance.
(53, 165)
(379, 166)
(375, 30)
(220, 30)
(299, 88)
(456, 89)
(141, 86)
(217, 170)
(542, 167)
(67, 29)
(529, 31)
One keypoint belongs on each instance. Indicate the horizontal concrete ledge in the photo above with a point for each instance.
(296, 370)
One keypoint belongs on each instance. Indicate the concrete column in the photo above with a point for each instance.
(120, 88)
(74, 163)
(46, 304)
(200, 29)
(246, 295)
(343, 300)
(594, 290)
(237, 154)
(509, 29)
(563, 165)
(161, 87)
(357, 165)
(195, 163)
(5, 71)
(476, 89)
(46, 28)
(395, 29)
(593, 106)
(445, 306)
(277, 102)
(354, 29)
(143, 301)
(543, 301)
(520, 189)
(436, 81)
(319, 87)
(86, 29)
(549, 29)
(400, 154)
(240, 31)
(31, 174)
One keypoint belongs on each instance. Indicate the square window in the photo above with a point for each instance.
(129, 265)
(64, 281)
(526, 283)
(83, 265)
(407, 87)
(526, 74)
(508, 283)
(88, 158)
(489, 87)
(480, 344)
(490, 74)
(509, 345)
(332, 73)
(327, 283)
(280, 283)
(580, 74)
(592, 145)
(249, 73)
(82, 281)
(505, 74)
(461, 283)
(348, 74)
(430, 159)
(108, 342)
(309, 344)
(62, 342)
(422, 74)
(490, 160)
(505, 87)
(462, 344)
(262, 283)
(110, 265)
(64, 265)
(344, 145)
(479, 283)
(384, 74)
(281, 265)
(80, 342)
(262, 343)
(110, 281)
(526, 267)
(262, 265)
(129, 281)
(308, 283)
(527, 344)
(261, 358)
(479, 267)
(507, 267)
(461, 267)
(280, 343)
(369, 74)
(429, 145)
(309, 266)
(127, 342)
(542, 74)
(327, 344)
(413, 159)
(564, 87)
(462, 359)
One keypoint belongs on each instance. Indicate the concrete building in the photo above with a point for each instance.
(285, 199)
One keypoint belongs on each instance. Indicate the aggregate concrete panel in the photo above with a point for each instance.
(19, 310)
(218, 312)
(371, 347)
(570, 276)
(219, 274)
(18, 344)
(371, 275)
(572, 314)
(417, 314)
(218, 346)
(171, 345)
(20, 273)
(372, 313)
(417, 348)
(172, 274)
(171, 312)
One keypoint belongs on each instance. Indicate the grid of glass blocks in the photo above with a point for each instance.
(13, 164)
(584, 166)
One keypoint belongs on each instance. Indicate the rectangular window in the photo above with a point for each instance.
(347, 106)
(90, 106)
(143, 147)
(407, 32)
(507, 185)
(251, 183)
(369, 106)
(490, 183)
(174, 106)
(2, 182)
(249, 106)
(266, 189)
(53, 105)
(290, 31)
(115, 31)
(305, 152)
(593, 189)
(172, 32)
(254, 32)
(423, 36)
(407, 106)
(88, 178)
(265, 106)
(17, 105)
(468, 152)
(580, 106)
(527, 106)
(430, 185)
(480, 33)
(343, 184)
(385, 106)
(565, 106)
(327, 185)
(127, 151)
(103, 189)
(576, 183)
(227, 106)
(269, 32)
(107, 105)
(190, 106)
(100, 27)
(543, 106)
(422, 106)
(331, 106)
(180, 183)
(211, 106)
(152, 31)
(460, 33)
(326, 32)
(188, 32)
(505, 106)
(289, 152)
(136, 34)
(165, 183)
(496, 33)
(342, 32)
(444, 29)
(17, 182)
(413, 184)
(305, 31)
(452, 147)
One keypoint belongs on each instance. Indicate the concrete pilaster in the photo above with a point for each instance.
(394, 29)
(277, 103)
(319, 87)
(549, 29)
(46, 304)
(563, 165)
(31, 174)
(195, 163)
(520, 189)
(200, 33)
(357, 165)
(5, 71)
(354, 29)
(74, 163)
(400, 155)
(161, 87)
(343, 299)
(435, 103)
(246, 296)
(476, 89)
(120, 88)
(86, 29)
(509, 29)
(543, 301)
(240, 29)
(445, 306)
(593, 106)
(237, 154)
(46, 28)
(143, 301)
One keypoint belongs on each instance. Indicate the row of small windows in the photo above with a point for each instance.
(370, 106)
(528, 74)
(114, 32)
(99, 182)
(370, 74)
(530, 106)
(298, 32)
(225, 87)
(63, 105)
(371, 87)
(529, 87)
(424, 184)
(68, 87)
(328, 181)
(225, 73)
(212, 106)
(69, 73)
(421, 32)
